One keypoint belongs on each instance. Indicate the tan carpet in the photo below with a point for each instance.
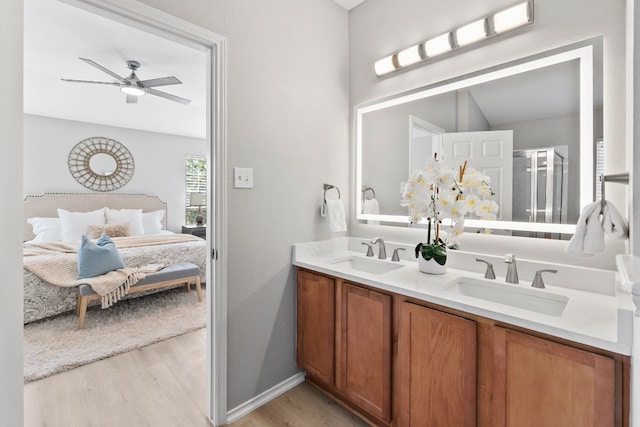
(56, 345)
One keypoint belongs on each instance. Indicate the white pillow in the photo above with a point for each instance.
(131, 216)
(74, 224)
(152, 222)
(45, 229)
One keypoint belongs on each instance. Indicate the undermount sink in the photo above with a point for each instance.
(539, 301)
(367, 265)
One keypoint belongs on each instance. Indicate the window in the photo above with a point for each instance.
(599, 167)
(195, 178)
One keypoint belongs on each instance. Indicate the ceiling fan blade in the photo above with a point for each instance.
(90, 81)
(106, 70)
(162, 81)
(132, 99)
(168, 96)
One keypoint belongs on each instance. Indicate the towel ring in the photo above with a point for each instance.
(364, 192)
(329, 187)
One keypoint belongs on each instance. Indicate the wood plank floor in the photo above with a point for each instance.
(161, 385)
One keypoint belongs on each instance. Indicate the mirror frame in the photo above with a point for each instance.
(79, 163)
(583, 52)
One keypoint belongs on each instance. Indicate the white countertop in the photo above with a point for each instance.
(600, 316)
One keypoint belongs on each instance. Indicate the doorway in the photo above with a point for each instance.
(214, 46)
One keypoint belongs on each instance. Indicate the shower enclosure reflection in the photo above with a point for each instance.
(540, 187)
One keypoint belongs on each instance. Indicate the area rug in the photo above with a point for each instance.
(55, 345)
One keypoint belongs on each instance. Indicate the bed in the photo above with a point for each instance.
(44, 212)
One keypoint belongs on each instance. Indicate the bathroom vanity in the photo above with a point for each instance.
(403, 348)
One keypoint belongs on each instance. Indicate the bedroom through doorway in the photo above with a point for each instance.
(81, 58)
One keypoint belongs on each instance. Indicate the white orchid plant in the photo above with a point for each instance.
(436, 193)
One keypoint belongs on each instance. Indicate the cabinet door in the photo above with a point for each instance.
(436, 368)
(544, 383)
(366, 349)
(315, 343)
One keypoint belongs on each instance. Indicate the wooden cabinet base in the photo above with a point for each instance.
(395, 361)
(346, 403)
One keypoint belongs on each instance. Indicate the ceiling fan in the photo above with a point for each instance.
(132, 86)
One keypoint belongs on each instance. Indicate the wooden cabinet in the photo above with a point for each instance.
(365, 353)
(397, 361)
(436, 383)
(542, 383)
(315, 344)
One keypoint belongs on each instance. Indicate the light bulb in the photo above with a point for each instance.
(133, 90)
(471, 32)
(437, 45)
(513, 17)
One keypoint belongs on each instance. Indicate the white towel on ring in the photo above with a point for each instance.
(372, 207)
(613, 223)
(591, 228)
(336, 215)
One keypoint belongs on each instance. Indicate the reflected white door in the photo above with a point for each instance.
(490, 152)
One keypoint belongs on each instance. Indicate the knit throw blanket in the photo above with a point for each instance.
(57, 263)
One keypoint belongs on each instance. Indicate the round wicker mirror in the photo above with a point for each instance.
(101, 164)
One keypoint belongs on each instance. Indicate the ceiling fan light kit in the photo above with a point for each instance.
(133, 90)
(134, 87)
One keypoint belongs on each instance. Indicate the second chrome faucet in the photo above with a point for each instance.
(512, 270)
(382, 250)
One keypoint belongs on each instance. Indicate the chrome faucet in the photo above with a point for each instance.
(489, 273)
(369, 248)
(512, 271)
(382, 251)
(537, 280)
(395, 257)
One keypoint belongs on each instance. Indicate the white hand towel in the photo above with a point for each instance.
(589, 236)
(613, 223)
(336, 215)
(371, 206)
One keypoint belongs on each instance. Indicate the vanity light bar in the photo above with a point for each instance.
(490, 26)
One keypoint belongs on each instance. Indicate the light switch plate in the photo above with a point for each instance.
(243, 177)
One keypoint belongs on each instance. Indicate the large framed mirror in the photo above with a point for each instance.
(531, 125)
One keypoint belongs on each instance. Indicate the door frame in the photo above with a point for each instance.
(150, 19)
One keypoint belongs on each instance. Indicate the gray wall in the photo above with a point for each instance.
(378, 28)
(287, 119)
(47, 142)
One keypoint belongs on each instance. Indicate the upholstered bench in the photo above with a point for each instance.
(174, 274)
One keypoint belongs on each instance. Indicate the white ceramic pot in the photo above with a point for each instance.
(431, 266)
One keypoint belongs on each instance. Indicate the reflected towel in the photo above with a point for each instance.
(590, 230)
(371, 206)
(335, 214)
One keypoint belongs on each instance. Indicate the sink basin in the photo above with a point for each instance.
(368, 265)
(539, 301)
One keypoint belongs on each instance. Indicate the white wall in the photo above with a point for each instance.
(288, 120)
(159, 160)
(11, 378)
(378, 28)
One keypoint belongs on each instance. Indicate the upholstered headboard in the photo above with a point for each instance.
(46, 205)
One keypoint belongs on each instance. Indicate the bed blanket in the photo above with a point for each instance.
(56, 263)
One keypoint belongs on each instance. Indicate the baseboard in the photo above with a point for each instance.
(264, 397)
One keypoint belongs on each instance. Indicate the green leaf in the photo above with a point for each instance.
(436, 252)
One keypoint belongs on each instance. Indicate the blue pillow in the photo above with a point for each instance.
(99, 257)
